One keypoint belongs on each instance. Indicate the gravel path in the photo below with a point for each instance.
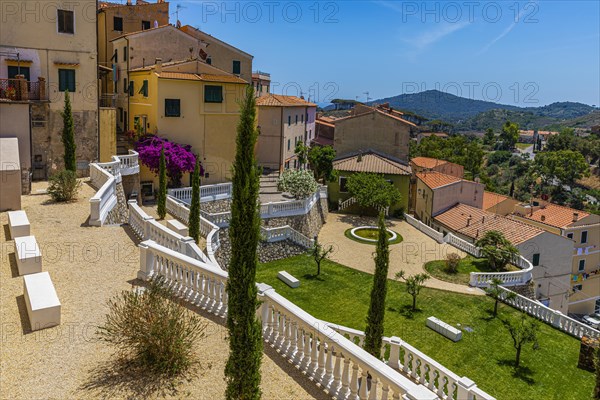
(410, 255)
(88, 265)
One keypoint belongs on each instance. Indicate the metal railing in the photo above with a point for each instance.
(22, 90)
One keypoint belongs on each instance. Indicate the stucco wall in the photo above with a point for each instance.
(14, 122)
(372, 131)
(269, 146)
(465, 192)
(10, 174)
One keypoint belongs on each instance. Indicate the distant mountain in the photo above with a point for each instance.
(468, 114)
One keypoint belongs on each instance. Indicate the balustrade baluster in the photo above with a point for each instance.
(328, 365)
(336, 384)
(354, 381)
(306, 361)
(385, 390)
(314, 362)
(363, 389)
(373, 391)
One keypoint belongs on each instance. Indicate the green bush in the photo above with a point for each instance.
(299, 183)
(153, 329)
(452, 261)
(64, 186)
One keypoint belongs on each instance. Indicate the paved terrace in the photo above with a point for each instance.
(89, 265)
(409, 255)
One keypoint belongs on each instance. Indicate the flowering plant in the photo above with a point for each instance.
(299, 183)
(10, 93)
(179, 157)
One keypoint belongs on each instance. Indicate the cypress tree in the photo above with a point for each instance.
(68, 135)
(194, 218)
(162, 185)
(242, 370)
(376, 314)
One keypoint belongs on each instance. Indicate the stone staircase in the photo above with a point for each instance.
(118, 215)
(268, 183)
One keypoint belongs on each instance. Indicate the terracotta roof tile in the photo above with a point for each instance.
(426, 162)
(490, 199)
(190, 76)
(555, 215)
(480, 221)
(222, 78)
(179, 75)
(278, 100)
(435, 179)
(372, 162)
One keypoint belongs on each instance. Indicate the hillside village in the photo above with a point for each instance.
(124, 163)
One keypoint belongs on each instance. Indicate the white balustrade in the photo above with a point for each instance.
(285, 232)
(129, 164)
(207, 192)
(346, 203)
(552, 317)
(105, 198)
(429, 231)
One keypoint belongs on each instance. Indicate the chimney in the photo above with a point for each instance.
(543, 218)
(575, 216)
(483, 219)
(469, 220)
(158, 63)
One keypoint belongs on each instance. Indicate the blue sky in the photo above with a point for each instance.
(524, 53)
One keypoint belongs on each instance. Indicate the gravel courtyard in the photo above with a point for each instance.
(410, 255)
(88, 265)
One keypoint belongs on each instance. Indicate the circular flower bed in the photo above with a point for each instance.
(369, 234)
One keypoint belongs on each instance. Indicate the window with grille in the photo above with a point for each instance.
(172, 108)
(213, 94)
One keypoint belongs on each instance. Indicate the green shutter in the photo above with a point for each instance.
(144, 89)
(66, 80)
(131, 91)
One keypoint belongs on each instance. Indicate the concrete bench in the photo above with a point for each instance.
(18, 224)
(43, 306)
(288, 279)
(444, 329)
(28, 254)
(177, 226)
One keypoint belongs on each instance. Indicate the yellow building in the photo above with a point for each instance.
(584, 230)
(51, 55)
(192, 103)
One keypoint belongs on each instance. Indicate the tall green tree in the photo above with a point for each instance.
(162, 186)
(321, 161)
(376, 314)
(372, 190)
(497, 249)
(564, 165)
(194, 217)
(473, 158)
(489, 138)
(301, 152)
(68, 135)
(509, 136)
(242, 371)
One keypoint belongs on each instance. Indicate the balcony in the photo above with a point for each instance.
(108, 100)
(18, 89)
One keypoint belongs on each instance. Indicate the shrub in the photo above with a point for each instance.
(179, 158)
(452, 261)
(299, 183)
(64, 186)
(153, 329)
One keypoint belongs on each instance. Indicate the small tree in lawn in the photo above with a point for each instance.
(497, 249)
(299, 183)
(522, 330)
(495, 292)
(372, 190)
(194, 217)
(162, 186)
(414, 284)
(452, 262)
(376, 314)
(319, 253)
(68, 135)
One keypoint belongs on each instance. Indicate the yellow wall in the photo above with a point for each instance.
(210, 128)
(108, 134)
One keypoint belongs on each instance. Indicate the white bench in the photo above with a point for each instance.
(177, 226)
(43, 306)
(28, 254)
(288, 279)
(18, 224)
(444, 329)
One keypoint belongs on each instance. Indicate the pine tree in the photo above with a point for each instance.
(242, 370)
(194, 218)
(68, 135)
(375, 317)
(162, 186)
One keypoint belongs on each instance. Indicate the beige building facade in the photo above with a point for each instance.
(583, 230)
(284, 121)
(378, 128)
(261, 81)
(53, 55)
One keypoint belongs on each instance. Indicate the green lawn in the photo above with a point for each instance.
(469, 264)
(341, 295)
(523, 146)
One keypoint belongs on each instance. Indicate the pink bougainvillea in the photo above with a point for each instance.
(180, 158)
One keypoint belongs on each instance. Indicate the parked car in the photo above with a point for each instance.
(593, 320)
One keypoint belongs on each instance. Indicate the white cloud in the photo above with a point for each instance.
(428, 38)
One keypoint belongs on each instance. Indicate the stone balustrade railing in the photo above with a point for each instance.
(478, 279)
(105, 177)
(551, 317)
(401, 356)
(346, 203)
(146, 227)
(207, 193)
(285, 232)
(105, 198)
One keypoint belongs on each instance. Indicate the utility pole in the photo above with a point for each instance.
(367, 94)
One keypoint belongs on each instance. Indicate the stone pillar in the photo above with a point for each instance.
(464, 386)
(146, 261)
(21, 88)
(394, 352)
(42, 88)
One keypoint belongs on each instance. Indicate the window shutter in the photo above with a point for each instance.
(131, 91)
